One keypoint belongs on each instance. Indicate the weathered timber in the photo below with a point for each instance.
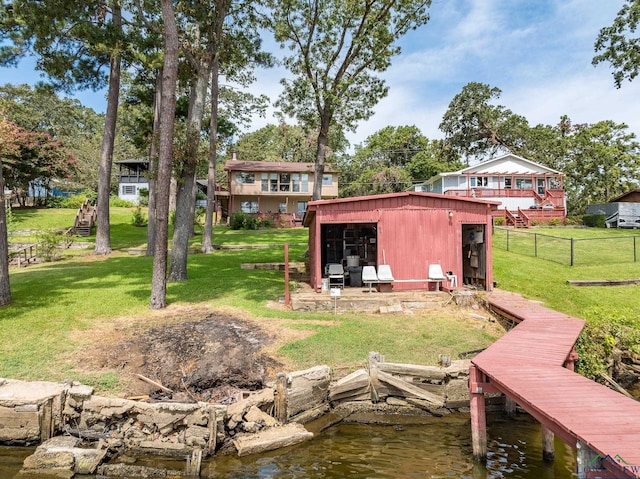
(128, 470)
(427, 406)
(375, 359)
(194, 463)
(433, 373)
(280, 400)
(602, 282)
(270, 439)
(409, 388)
(357, 382)
(307, 389)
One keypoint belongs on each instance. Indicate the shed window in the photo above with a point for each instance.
(128, 189)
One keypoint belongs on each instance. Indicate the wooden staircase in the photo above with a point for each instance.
(516, 219)
(85, 219)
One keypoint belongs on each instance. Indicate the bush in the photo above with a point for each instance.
(139, 218)
(595, 221)
(605, 331)
(242, 221)
(48, 242)
(498, 221)
(120, 203)
(573, 220)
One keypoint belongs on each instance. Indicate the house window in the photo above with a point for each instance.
(282, 207)
(524, 184)
(128, 189)
(300, 182)
(479, 181)
(327, 180)
(507, 183)
(301, 207)
(249, 206)
(285, 180)
(245, 178)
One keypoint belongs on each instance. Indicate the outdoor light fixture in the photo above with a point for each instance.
(450, 214)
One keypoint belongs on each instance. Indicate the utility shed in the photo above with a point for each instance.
(407, 231)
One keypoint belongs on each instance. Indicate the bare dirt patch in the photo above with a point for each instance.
(198, 353)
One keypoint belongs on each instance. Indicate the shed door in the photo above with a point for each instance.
(474, 256)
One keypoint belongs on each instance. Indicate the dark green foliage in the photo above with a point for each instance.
(242, 221)
(595, 221)
(619, 44)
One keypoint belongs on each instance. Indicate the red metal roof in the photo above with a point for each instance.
(401, 194)
(274, 166)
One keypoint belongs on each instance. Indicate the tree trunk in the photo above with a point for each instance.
(167, 125)
(103, 231)
(321, 152)
(185, 202)
(5, 288)
(207, 240)
(153, 163)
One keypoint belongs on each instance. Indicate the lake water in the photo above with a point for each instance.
(434, 448)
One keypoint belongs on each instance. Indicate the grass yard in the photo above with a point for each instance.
(57, 306)
(583, 246)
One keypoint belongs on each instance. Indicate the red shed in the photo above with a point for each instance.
(407, 231)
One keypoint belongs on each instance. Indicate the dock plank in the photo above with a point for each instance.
(526, 364)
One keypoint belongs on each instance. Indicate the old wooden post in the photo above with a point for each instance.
(287, 293)
(478, 416)
(509, 406)
(548, 448)
(280, 405)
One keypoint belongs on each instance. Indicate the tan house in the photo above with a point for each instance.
(276, 188)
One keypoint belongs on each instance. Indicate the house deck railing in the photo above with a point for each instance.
(551, 195)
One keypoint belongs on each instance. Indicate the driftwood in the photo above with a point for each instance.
(615, 385)
(153, 383)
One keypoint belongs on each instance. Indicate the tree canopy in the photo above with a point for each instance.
(391, 160)
(337, 49)
(619, 43)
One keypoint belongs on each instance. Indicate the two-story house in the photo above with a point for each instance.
(527, 191)
(277, 188)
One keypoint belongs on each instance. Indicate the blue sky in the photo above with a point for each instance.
(537, 52)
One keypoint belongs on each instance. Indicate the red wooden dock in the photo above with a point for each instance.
(533, 365)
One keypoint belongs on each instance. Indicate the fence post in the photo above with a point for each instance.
(571, 252)
(635, 254)
(535, 244)
(507, 240)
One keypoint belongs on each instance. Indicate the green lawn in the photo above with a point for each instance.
(577, 246)
(52, 302)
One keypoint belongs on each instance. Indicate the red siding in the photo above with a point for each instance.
(414, 230)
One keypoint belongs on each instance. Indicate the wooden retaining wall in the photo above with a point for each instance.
(33, 413)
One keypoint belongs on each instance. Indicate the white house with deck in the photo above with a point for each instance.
(526, 190)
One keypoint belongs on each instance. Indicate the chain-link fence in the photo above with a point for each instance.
(569, 251)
